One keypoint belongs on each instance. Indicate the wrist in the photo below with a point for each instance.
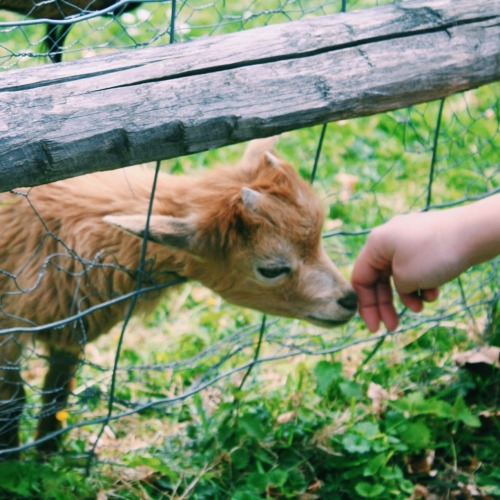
(477, 230)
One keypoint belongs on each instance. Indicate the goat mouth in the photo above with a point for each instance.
(327, 323)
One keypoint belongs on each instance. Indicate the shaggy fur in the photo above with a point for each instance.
(252, 233)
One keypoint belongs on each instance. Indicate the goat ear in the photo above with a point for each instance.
(256, 149)
(272, 160)
(163, 229)
(251, 198)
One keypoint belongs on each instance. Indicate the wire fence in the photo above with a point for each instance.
(429, 156)
(103, 25)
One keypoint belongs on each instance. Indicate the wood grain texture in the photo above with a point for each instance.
(126, 108)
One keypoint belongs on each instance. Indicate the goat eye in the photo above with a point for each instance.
(273, 272)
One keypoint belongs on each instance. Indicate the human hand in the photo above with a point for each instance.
(419, 252)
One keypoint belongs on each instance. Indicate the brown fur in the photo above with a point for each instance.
(73, 244)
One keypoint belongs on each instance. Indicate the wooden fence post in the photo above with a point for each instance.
(156, 103)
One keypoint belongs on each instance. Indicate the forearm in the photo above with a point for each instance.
(480, 237)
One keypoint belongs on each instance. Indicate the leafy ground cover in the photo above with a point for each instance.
(319, 414)
(407, 414)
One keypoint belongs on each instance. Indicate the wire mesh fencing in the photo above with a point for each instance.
(32, 32)
(367, 170)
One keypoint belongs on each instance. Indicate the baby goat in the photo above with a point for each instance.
(251, 233)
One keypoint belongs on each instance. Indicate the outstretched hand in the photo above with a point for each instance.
(397, 253)
(416, 253)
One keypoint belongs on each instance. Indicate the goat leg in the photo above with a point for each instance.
(54, 40)
(58, 384)
(12, 396)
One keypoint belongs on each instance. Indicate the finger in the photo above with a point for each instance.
(430, 295)
(366, 276)
(368, 268)
(387, 313)
(368, 307)
(371, 317)
(413, 301)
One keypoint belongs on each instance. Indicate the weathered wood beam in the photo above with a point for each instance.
(155, 103)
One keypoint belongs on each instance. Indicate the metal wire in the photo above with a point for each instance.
(234, 355)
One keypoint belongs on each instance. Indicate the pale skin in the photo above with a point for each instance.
(417, 253)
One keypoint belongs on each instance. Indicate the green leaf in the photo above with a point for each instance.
(243, 495)
(380, 445)
(153, 463)
(264, 456)
(259, 481)
(368, 429)
(18, 478)
(252, 426)
(462, 413)
(326, 373)
(417, 404)
(350, 389)
(277, 477)
(356, 443)
(416, 435)
(374, 465)
(240, 458)
(406, 486)
(367, 490)
(31, 479)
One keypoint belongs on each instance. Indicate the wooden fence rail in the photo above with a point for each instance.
(59, 121)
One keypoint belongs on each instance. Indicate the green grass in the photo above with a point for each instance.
(371, 419)
(333, 414)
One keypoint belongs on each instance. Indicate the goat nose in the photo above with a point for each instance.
(349, 301)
